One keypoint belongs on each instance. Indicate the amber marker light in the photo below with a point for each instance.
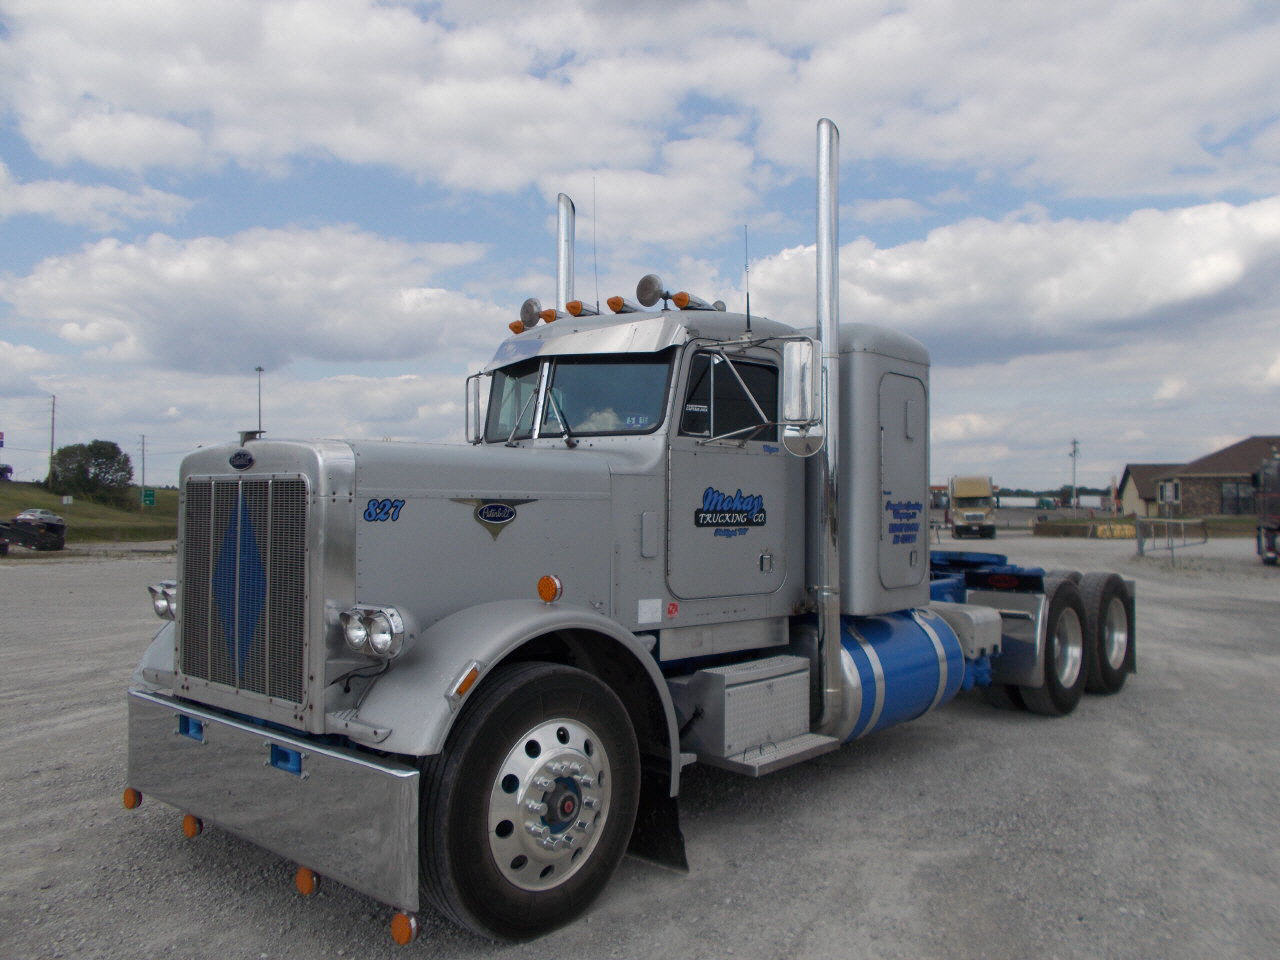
(550, 589)
(516, 326)
(681, 299)
(574, 308)
(467, 682)
(191, 826)
(616, 304)
(132, 798)
(306, 881)
(548, 315)
(404, 929)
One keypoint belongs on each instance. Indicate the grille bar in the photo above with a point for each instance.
(244, 584)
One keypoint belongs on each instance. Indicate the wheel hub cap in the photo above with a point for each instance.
(548, 804)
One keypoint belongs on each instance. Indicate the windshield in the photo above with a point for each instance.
(974, 502)
(590, 396)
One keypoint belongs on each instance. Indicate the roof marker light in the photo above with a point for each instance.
(622, 305)
(515, 326)
(577, 308)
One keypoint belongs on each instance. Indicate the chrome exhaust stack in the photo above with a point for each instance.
(822, 477)
(564, 252)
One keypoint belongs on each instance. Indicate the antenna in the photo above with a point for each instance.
(595, 261)
(746, 272)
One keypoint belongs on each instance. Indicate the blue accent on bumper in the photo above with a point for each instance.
(191, 727)
(290, 761)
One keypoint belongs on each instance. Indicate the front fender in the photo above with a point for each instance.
(413, 697)
(155, 669)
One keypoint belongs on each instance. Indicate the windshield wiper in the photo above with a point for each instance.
(569, 440)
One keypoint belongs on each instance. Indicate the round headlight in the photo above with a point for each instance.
(160, 603)
(381, 635)
(354, 630)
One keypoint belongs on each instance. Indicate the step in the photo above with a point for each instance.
(769, 757)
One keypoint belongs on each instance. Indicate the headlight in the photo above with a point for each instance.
(375, 631)
(164, 599)
(353, 629)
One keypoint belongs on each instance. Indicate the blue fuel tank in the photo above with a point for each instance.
(902, 665)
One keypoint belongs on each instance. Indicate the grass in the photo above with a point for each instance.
(94, 522)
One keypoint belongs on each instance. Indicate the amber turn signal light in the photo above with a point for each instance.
(404, 929)
(550, 589)
(132, 798)
(306, 881)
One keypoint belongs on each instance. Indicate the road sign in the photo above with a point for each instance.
(1, 438)
(148, 497)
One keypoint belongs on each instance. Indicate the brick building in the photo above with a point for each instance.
(1218, 484)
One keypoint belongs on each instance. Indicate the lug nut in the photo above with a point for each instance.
(543, 783)
(535, 829)
(533, 806)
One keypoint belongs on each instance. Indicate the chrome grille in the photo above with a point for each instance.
(244, 584)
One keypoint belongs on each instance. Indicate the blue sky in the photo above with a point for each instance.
(1076, 207)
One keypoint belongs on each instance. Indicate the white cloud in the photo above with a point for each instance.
(1002, 285)
(1171, 388)
(1096, 98)
(97, 207)
(260, 297)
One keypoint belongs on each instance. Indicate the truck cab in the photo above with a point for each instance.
(973, 507)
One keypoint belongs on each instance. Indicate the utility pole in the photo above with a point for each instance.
(1075, 457)
(53, 411)
(259, 369)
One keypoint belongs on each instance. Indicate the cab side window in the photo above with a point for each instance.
(717, 405)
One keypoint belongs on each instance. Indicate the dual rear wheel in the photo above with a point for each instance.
(1089, 644)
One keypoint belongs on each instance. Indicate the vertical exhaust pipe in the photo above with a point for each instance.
(825, 526)
(564, 251)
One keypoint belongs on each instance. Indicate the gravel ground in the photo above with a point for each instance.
(1144, 825)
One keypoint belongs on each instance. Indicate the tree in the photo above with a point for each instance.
(99, 470)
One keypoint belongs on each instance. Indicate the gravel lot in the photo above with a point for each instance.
(1144, 825)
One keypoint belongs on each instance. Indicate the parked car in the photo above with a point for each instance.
(38, 515)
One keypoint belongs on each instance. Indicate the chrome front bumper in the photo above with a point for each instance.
(343, 814)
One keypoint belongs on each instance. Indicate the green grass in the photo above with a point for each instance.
(94, 522)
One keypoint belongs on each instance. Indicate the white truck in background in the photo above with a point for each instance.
(973, 507)
(469, 677)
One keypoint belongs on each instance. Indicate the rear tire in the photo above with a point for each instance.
(1064, 653)
(528, 810)
(1109, 631)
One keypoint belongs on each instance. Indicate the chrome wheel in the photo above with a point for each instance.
(1115, 633)
(549, 803)
(1068, 654)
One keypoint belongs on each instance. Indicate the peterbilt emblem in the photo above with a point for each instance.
(493, 515)
(242, 459)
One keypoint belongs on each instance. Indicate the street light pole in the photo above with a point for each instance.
(259, 370)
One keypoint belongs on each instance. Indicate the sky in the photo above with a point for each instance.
(1074, 206)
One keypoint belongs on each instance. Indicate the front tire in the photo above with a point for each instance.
(1065, 652)
(527, 812)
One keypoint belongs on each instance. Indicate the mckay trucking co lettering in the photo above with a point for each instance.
(729, 509)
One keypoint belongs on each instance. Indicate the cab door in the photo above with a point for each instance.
(727, 511)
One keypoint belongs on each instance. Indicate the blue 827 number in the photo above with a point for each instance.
(383, 509)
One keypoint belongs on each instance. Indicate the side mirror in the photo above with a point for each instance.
(799, 383)
(801, 419)
(474, 413)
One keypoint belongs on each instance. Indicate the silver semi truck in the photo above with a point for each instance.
(470, 676)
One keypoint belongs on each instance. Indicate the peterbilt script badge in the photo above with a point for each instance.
(493, 515)
(242, 459)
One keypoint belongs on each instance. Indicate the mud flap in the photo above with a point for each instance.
(656, 836)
